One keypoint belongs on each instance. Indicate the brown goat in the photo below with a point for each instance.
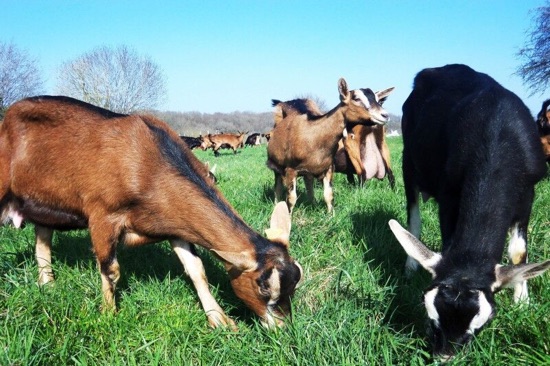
(304, 141)
(205, 142)
(65, 164)
(364, 152)
(228, 141)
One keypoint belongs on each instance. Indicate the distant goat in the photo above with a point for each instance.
(227, 141)
(254, 139)
(192, 142)
(543, 124)
(304, 141)
(365, 153)
(473, 146)
(65, 164)
(205, 142)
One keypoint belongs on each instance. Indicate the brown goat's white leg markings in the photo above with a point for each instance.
(195, 270)
(44, 254)
(517, 252)
(110, 274)
(327, 190)
(292, 195)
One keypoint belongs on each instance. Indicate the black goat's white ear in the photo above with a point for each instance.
(382, 95)
(508, 276)
(415, 248)
(279, 228)
(343, 90)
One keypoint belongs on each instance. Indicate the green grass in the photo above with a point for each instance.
(354, 307)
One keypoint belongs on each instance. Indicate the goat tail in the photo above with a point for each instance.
(275, 102)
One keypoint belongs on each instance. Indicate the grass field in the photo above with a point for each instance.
(354, 307)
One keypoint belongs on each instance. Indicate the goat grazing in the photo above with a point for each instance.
(65, 164)
(228, 141)
(304, 141)
(365, 153)
(473, 146)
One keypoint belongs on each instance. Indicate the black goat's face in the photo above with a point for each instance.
(461, 301)
(456, 314)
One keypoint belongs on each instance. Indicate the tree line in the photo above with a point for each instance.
(196, 123)
(123, 81)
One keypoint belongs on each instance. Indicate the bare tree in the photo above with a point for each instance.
(317, 100)
(116, 79)
(535, 56)
(19, 75)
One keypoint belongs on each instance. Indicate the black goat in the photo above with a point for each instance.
(473, 146)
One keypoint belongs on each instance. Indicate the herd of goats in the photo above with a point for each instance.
(468, 142)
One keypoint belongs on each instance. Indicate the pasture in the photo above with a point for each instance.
(354, 306)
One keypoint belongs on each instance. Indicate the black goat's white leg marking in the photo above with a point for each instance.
(195, 270)
(44, 254)
(517, 252)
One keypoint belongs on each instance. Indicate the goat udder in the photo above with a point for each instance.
(15, 216)
(372, 160)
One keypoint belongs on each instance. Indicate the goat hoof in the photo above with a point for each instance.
(222, 321)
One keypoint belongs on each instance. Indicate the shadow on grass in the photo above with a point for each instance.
(153, 261)
(405, 310)
(268, 196)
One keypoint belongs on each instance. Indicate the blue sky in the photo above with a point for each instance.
(225, 56)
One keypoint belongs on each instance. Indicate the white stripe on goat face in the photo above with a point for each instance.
(359, 95)
(483, 316)
(429, 302)
(274, 283)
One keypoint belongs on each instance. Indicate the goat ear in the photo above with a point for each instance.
(508, 276)
(382, 95)
(243, 261)
(415, 248)
(343, 89)
(279, 228)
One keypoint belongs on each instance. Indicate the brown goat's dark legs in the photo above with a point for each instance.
(278, 188)
(104, 241)
(309, 180)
